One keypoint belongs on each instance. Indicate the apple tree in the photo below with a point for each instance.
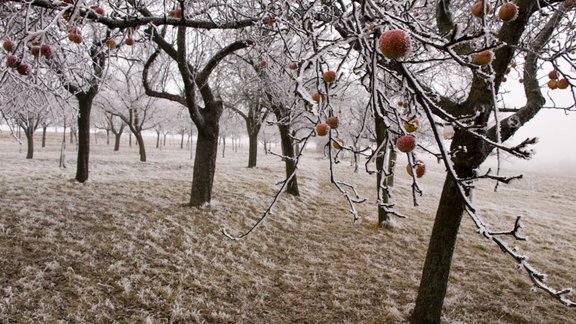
(448, 61)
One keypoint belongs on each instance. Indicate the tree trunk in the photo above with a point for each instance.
(252, 149)
(62, 163)
(107, 136)
(117, 141)
(391, 165)
(73, 135)
(223, 146)
(141, 148)
(182, 140)
(85, 106)
(157, 139)
(29, 132)
(381, 135)
(44, 129)
(204, 169)
(434, 282)
(288, 151)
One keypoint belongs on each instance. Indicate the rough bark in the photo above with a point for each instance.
(29, 132)
(44, 129)
(117, 142)
(85, 106)
(288, 152)
(252, 148)
(141, 148)
(434, 281)
(204, 169)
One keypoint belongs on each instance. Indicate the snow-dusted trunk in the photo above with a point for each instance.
(62, 162)
(288, 152)
(252, 149)
(44, 129)
(391, 165)
(434, 281)
(85, 106)
(117, 141)
(141, 148)
(204, 168)
(29, 132)
(381, 187)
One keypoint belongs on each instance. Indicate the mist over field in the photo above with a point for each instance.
(122, 247)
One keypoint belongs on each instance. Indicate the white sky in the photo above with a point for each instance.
(555, 129)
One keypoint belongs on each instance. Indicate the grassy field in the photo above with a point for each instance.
(123, 247)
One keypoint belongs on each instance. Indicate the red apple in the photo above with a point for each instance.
(176, 13)
(12, 61)
(332, 122)
(477, 9)
(508, 11)
(46, 51)
(322, 129)
(406, 143)
(552, 84)
(75, 36)
(293, 66)
(395, 44)
(98, 10)
(111, 43)
(317, 97)
(562, 84)
(483, 58)
(8, 45)
(553, 75)
(263, 63)
(23, 69)
(329, 76)
(129, 41)
(420, 168)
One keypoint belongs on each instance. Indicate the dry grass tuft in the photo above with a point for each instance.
(122, 247)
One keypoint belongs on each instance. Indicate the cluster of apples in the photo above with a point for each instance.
(407, 143)
(12, 61)
(555, 83)
(508, 11)
(322, 129)
(332, 122)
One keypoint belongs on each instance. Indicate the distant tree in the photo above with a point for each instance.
(124, 97)
(245, 101)
(28, 107)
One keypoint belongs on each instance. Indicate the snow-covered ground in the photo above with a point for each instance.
(124, 247)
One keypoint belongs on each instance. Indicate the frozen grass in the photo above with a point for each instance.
(123, 247)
